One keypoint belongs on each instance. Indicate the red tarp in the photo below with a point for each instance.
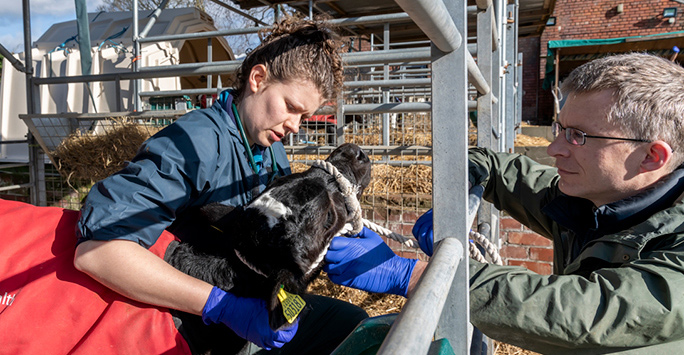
(48, 307)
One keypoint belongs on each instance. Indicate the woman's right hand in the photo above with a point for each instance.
(247, 317)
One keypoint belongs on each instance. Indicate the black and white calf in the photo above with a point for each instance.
(278, 240)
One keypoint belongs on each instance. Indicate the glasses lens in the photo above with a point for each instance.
(574, 136)
(555, 129)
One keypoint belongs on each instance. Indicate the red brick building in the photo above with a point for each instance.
(631, 25)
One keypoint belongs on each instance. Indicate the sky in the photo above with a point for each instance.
(44, 13)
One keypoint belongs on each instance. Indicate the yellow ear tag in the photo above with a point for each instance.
(292, 304)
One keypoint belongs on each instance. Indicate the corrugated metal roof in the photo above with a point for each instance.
(532, 15)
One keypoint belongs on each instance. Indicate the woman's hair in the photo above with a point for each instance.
(296, 50)
(648, 96)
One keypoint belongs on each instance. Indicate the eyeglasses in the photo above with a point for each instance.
(576, 137)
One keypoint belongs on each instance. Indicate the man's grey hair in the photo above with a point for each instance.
(648, 96)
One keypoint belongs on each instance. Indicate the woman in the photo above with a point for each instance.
(227, 153)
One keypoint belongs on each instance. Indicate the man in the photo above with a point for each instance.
(612, 206)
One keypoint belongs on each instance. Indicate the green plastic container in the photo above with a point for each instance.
(370, 333)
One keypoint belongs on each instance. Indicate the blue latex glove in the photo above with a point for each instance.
(365, 262)
(422, 231)
(247, 317)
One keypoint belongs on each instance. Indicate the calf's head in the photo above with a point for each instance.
(284, 233)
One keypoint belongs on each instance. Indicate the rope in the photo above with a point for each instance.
(358, 222)
(489, 247)
(348, 190)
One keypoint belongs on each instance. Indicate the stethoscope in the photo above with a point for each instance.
(275, 169)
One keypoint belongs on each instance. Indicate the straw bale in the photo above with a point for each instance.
(92, 157)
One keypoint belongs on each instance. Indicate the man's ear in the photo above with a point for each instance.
(659, 153)
(257, 77)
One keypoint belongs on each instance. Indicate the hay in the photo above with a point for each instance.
(92, 157)
(374, 304)
(522, 140)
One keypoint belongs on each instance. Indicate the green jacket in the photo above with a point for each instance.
(618, 292)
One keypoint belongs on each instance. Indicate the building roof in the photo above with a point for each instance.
(532, 15)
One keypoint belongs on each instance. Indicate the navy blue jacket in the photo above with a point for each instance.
(199, 159)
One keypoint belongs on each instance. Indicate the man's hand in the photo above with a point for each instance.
(247, 317)
(365, 262)
(422, 231)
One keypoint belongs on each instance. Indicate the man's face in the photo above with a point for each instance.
(277, 109)
(601, 170)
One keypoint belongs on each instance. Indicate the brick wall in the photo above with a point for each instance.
(529, 46)
(597, 19)
(522, 247)
(582, 19)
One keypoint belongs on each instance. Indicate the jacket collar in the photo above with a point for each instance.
(589, 222)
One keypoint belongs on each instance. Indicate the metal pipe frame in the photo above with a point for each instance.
(433, 19)
(368, 149)
(423, 82)
(413, 329)
(238, 11)
(153, 18)
(15, 165)
(36, 156)
(135, 67)
(450, 173)
(351, 21)
(16, 63)
(229, 66)
(166, 93)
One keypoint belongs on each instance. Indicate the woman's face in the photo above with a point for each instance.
(270, 110)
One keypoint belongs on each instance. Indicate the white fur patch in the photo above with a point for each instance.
(271, 208)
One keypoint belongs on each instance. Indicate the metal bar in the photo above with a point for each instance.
(238, 11)
(389, 56)
(368, 149)
(153, 18)
(136, 58)
(14, 141)
(450, 172)
(105, 115)
(388, 83)
(200, 35)
(14, 187)
(433, 19)
(475, 76)
(413, 329)
(511, 90)
(36, 158)
(10, 166)
(385, 91)
(358, 109)
(495, 31)
(182, 92)
(16, 63)
(352, 21)
(229, 66)
(210, 55)
(396, 163)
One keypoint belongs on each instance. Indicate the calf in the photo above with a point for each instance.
(277, 241)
